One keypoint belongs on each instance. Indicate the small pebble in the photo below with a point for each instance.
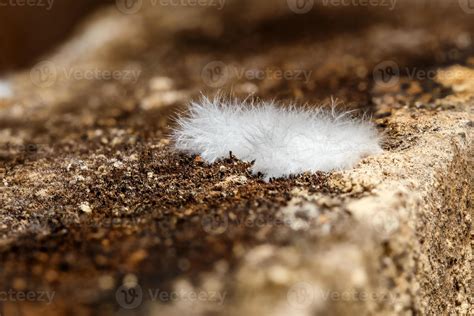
(85, 207)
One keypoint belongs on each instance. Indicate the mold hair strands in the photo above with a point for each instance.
(282, 141)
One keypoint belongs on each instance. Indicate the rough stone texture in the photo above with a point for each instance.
(93, 197)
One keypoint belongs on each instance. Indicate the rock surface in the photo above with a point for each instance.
(97, 210)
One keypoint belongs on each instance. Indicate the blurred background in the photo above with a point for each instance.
(27, 32)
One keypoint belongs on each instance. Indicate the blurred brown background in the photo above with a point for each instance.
(27, 32)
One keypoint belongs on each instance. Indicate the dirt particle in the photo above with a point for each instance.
(85, 207)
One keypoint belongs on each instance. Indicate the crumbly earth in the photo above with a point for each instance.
(97, 209)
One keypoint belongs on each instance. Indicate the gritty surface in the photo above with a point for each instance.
(93, 197)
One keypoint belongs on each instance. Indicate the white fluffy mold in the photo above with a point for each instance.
(281, 141)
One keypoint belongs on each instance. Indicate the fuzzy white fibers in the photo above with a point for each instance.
(282, 141)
